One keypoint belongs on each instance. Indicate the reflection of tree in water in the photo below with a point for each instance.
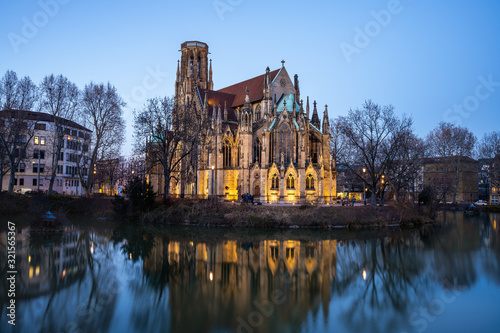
(70, 289)
(490, 252)
(392, 268)
(453, 249)
(137, 242)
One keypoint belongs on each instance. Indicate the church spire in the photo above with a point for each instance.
(307, 108)
(214, 117)
(326, 122)
(296, 86)
(315, 118)
(210, 83)
(178, 75)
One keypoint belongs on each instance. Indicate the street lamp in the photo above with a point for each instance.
(212, 180)
(364, 187)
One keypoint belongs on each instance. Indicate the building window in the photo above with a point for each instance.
(34, 182)
(37, 140)
(40, 126)
(290, 181)
(275, 184)
(257, 151)
(42, 140)
(60, 169)
(15, 181)
(309, 182)
(226, 155)
(285, 144)
(21, 181)
(21, 167)
(35, 168)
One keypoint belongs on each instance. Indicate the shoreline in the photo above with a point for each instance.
(216, 214)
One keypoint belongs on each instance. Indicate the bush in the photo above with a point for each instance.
(426, 197)
(141, 195)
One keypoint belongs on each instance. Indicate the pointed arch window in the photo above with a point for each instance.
(285, 144)
(290, 181)
(315, 146)
(191, 65)
(257, 151)
(198, 64)
(226, 154)
(309, 182)
(275, 183)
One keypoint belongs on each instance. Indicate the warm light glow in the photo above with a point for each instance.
(364, 274)
(92, 248)
(37, 270)
(211, 276)
(191, 243)
(364, 169)
(382, 181)
(31, 272)
(64, 273)
(212, 167)
(69, 137)
(132, 171)
(495, 224)
(130, 255)
(29, 258)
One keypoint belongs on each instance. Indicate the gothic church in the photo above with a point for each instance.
(266, 142)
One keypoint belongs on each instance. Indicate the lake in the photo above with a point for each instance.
(98, 276)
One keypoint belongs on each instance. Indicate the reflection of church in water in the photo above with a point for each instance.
(236, 273)
(266, 142)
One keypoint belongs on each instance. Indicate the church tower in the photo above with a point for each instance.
(192, 71)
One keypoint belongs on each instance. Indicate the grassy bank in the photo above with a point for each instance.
(210, 214)
(206, 213)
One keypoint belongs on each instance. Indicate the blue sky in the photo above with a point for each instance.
(435, 60)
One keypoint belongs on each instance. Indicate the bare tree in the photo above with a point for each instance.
(372, 136)
(402, 171)
(59, 98)
(102, 113)
(452, 143)
(489, 148)
(169, 134)
(337, 142)
(17, 122)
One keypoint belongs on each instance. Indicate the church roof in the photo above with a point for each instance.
(255, 89)
(218, 98)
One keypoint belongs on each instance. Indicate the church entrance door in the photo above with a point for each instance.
(257, 191)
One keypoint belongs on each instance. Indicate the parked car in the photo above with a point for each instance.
(23, 190)
(480, 203)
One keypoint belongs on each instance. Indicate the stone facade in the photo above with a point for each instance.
(265, 140)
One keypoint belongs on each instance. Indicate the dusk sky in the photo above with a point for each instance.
(434, 60)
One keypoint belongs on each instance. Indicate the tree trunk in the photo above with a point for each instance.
(55, 160)
(166, 185)
(12, 177)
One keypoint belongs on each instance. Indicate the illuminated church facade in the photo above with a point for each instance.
(265, 141)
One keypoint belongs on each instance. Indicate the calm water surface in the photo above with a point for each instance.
(119, 278)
